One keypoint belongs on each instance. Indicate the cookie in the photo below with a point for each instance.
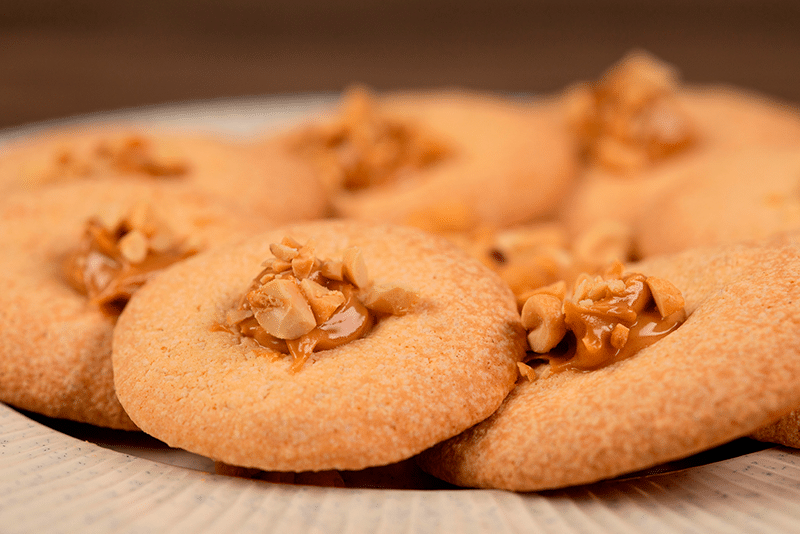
(726, 371)
(641, 130)
(258, 182)
(441, 161)
(55, 348)
(410, 381)
(747, 195)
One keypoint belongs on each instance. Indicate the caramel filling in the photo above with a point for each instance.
(631, 117)
(365, 148)
(608, 320)
(110, 264)
(300, 304)
(126, 155)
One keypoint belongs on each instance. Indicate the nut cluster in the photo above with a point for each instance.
(631, 117)
(123, 155)
(602, 312)
(366, 148)
(298, 293)
(117, 255)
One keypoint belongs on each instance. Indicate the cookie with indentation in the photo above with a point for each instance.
(642, 131)
(728, 370)
(258, 182)
(55, 347)
(442, 161)
(189, 379)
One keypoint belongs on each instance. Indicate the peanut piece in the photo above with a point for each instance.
(543, 316)
(133, 246)
(283, 252)
(322, 300)
(282, 310)
(354, 268)
(619, 336)
(394, 300)
(668, 298)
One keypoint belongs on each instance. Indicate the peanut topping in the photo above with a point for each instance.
(126, 155)
(631, 118)
(113, 260)
(300, 304)
(607, 318)
(365, 148)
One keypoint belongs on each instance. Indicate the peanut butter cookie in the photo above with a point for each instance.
(73, 254)
(257, 182)
(441, 161)
(729, 369)
(641, 130)
(329, 345)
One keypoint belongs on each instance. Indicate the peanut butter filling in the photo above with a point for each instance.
(112, 261)
(129, 154)
(300, 304)
(365, 148)
(631, 117)
(608, 318)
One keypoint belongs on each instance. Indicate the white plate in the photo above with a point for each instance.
(54, 482)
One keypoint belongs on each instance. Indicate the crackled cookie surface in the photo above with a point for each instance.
(441, 161)
(424, 371)
(72, 255)
(726, 371)
(266, 186)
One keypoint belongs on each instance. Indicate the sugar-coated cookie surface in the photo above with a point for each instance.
(729, 369)
(55, 351)
(257, 181)
(412, 381)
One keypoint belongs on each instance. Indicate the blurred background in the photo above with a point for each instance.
(61, 58)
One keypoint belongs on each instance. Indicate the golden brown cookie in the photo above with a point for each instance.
(750, 194)
(55, 347)
(186, 378)
(441, 161)
(642, 130)
(728, 370)
(259, 182)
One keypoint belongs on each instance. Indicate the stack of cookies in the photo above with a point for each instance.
(516, 293)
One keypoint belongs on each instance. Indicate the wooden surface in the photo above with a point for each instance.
(63, 58)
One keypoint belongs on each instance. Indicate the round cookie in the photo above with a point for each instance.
(728, 370)
(55, 347)
(412, 381)
(714, 122)
(750, 194)
(260, 182)
(443, 160)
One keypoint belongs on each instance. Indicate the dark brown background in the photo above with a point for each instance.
(59, 58)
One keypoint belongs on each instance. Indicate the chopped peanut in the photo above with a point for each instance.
(392, 300)
(668, 297)
(543, 317)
